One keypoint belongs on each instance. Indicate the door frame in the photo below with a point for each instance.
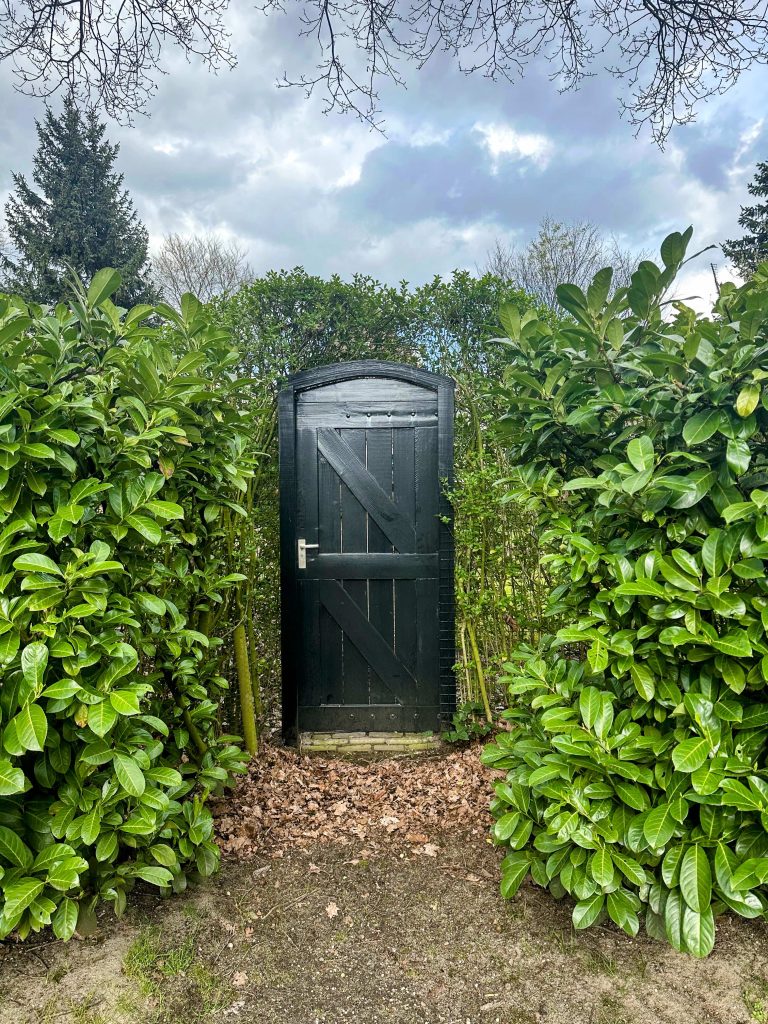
(290, 630)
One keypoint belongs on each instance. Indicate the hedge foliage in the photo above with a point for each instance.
(122, 449)
(636, 773)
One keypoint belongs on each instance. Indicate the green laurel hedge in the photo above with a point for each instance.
(120, 443)
(636, 770)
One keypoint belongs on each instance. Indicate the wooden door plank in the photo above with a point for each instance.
(368, 641)
(381, 611)
(313, 691)
(354, 539)
(427, 641)
(330, 654)
(369, 493)
(427, 488)
(404, 488)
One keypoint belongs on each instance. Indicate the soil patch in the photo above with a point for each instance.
(324, 938)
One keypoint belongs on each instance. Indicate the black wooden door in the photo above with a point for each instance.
(367, 566)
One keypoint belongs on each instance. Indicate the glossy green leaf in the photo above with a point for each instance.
(155, 875)
(20, 895)
(601, 867)
(125, 702)
(747, 400)
(701, 427)
(696, 879)
(640, 452)
(512, 877)
(101, 718)
(147, 527)
(673, 919)
(629, 867)
(34, 658)
(587, 911)
(32, 562)
(31, 727)
(590, 705)
(641, 588)
(698, 931)
(659, 826)
(13, 850)
(11, 778)
(90, 827)
(64, 921)
(129, 774)
(691, 754)
(104, 283)
(736, 644)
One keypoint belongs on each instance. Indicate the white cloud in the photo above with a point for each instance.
(169, 147)
(502, 140)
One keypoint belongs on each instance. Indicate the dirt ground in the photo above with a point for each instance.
(322, 936)
(368, 894)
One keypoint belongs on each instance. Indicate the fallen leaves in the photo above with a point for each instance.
(288, 802)
(416, 837)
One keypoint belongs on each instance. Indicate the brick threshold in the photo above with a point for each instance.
(351, 744)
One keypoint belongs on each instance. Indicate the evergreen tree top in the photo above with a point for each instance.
(79, 215)
(751, 249)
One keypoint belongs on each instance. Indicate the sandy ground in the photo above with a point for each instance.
(322, 936)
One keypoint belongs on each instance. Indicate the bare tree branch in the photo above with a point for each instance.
(205, 265)
(671, 55)
(106, 53)
(674, 54)
(571, 252)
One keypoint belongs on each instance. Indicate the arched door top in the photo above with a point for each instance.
(357, 368)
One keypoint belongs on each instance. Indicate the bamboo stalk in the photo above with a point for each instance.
(479, 671)
(465, 660)
(250, 733)
(258, 703)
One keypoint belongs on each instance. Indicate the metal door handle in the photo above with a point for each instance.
(303, 552)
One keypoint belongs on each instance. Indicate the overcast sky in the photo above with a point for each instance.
(463, 161)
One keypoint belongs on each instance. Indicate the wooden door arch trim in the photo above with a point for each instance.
(443, 389)
(335, 372)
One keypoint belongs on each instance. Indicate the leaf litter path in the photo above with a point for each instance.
(289, 801)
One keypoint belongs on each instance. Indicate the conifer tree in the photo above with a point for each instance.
(80, 216)
(752, 249)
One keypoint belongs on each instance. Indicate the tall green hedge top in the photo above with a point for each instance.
(121, 442)
(637, 777)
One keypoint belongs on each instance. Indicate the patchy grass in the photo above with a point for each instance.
(756, 1001)
(326, 938)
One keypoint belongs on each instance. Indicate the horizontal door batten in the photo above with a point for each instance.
(379, 566)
